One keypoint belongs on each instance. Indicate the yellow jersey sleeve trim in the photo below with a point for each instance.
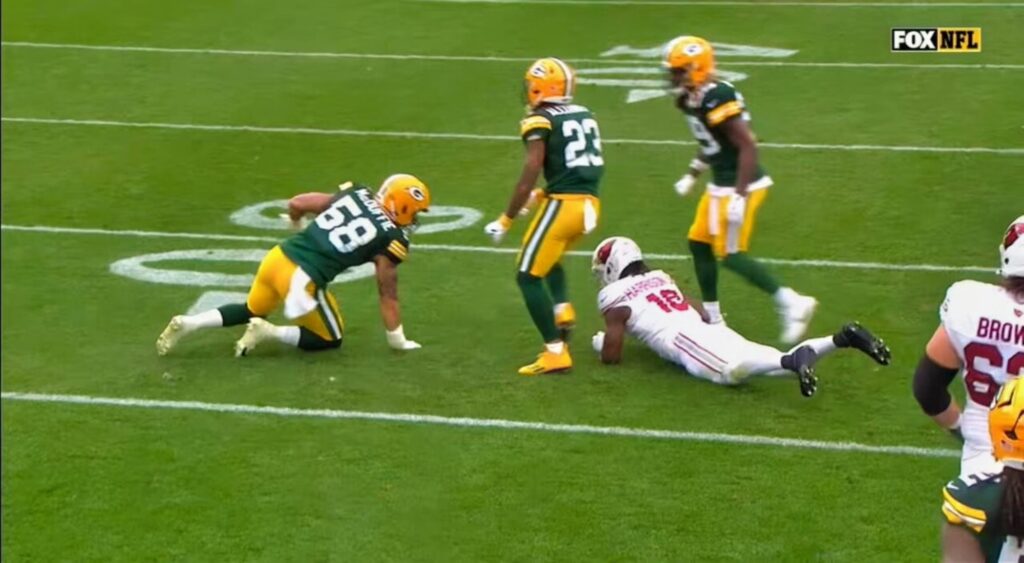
(533, 122)
(398, 250)
(960, 514)
(723, 112)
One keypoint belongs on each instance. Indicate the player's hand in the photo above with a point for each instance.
(736, 208)
(685, 184)
(598, 341)
(536, 197)
(496, 229)
(302, 223)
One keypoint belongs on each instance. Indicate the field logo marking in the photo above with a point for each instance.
(494, 423)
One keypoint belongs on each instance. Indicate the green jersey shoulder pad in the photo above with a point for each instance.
(972, 501)
(720, 103)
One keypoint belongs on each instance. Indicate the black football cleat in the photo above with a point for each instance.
(853, 335)
(801, 361)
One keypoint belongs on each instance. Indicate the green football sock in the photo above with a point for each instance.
(557, 285)
(309, 341)
(538, 302)
(751, 270)
(235, 314)
(707, 270)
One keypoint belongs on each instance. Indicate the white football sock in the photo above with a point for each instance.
(713, 310)
(287, 334)
(785, 296)
(206, 319)
(822, 346)
(555, 347)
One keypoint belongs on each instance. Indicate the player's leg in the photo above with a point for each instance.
(543, 247)
(704, 263)
(851, 335)
(320, 329)
(795, 310)
(261, 301)
(565, 314)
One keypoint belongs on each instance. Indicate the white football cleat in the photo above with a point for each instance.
(170, 336)
(795, 317)
(257, 332)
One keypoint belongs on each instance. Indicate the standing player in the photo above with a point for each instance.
(725, 216)
(563, 140)
(351, 227)
(985, 512)
(982, 333)
(649, 305)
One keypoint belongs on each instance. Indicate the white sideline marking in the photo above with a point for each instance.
(470, 58)
(501, 250)
(477, 137)
(621, 431)
(768, 3)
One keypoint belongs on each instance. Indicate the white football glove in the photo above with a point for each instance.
(496, 229)
(302, 223)
(736, 209)
(598, 341)
(685, 184)
(397, 340)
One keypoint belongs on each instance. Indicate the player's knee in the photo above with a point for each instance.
(526, 279)
(312, 342)
(732, 261)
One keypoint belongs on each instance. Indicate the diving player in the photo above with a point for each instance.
(648, 304)
(563, 140)
(726, 213)
(353, 226)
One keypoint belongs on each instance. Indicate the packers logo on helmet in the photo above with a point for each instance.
(549, 80)
(403, 196)
(1005, 426)
(692, 56)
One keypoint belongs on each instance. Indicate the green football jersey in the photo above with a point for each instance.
(974, 502)
(706, 110)
(573, 163)
(352, 231)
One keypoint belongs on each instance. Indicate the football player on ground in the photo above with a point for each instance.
(648, 305)
(981, 332)
(563, 140)
(353, 226)
(985, 512)
(726, 213)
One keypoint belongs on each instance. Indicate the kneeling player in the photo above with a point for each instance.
(649, 305)
(352, 227)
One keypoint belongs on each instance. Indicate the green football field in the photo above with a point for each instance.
(147, 146)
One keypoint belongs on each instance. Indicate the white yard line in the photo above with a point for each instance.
(882, 266)
(431, 419)
(469, 58)
(749, 3)
(478, 137)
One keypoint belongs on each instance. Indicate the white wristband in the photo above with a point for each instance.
(698, 165)
(396, 338)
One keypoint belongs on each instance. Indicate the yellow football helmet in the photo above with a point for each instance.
(549, 80)
(403, 196)
(692, 55)
(1005, 426)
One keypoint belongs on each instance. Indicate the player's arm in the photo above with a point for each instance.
(739, 133)
(959, 545)
(533, 165)
(390, 311)
(312, 203)
(614, 334)
(698, 165)
(938, 367)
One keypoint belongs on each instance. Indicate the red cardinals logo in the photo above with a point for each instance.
(1015, 232)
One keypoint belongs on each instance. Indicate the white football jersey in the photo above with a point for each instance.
(986, 326)
(658, 308)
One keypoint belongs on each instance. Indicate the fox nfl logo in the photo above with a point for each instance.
(936, 39)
